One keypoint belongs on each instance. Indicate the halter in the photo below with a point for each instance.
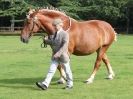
(70, 24)
(34, 22)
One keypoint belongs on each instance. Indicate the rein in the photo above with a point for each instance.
(43, 44)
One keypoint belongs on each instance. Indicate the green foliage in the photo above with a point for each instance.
(13, 7)
(112, 11)
(102, 9)
(70, 7)
(37, 3)
(130, 3)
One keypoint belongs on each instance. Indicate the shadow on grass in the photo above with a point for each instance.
(29, 83)
(26, 83)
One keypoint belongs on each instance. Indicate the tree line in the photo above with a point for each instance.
(116, 12)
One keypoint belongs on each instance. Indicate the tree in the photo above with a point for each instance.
(13, 7)
(112, 11)
(109, 10)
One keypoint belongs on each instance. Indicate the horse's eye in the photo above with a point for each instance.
(27, 21)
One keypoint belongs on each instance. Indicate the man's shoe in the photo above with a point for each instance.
(41, 85)
(68, 87)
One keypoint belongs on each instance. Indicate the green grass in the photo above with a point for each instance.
(21, 65)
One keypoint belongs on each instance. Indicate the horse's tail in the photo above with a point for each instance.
(115, 39)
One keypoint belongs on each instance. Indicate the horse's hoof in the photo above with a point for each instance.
(88, 81)
(110, 77)
(85, 81)
(61, 82)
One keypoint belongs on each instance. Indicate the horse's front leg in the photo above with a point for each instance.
(62, 79)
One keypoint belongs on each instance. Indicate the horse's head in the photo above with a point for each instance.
(31, 25)
(42, 18)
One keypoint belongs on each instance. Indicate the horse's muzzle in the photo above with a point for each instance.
(24, 40)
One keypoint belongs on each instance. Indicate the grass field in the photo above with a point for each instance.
(21, 65)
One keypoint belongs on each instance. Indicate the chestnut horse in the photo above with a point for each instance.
(86, 37)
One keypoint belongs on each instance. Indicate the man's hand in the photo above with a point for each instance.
(46, 38)
(56, 55)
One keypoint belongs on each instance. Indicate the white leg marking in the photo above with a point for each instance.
(90, 80)
(111, 73)
(61, 81)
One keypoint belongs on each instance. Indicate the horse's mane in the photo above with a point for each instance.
(47, 10)
(52, 10)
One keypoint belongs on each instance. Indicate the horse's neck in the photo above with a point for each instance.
(68, 22)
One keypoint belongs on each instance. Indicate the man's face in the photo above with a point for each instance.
(58, 26)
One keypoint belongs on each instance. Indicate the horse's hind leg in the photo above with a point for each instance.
(109, 68)
(100, 52)
(62, 79)
(62, 75)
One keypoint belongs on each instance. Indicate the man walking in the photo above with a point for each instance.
(59, 44)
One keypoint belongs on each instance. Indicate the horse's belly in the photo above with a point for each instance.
(78, 53)
(82, 51)
(86, 45)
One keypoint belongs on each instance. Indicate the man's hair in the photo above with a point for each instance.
(57, 21)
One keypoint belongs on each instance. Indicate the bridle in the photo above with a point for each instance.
(34, 23)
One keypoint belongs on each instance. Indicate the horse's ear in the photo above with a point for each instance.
(27, 16)
(36, 10)
(31, 11)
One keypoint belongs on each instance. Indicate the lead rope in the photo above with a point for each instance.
(43, 44)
